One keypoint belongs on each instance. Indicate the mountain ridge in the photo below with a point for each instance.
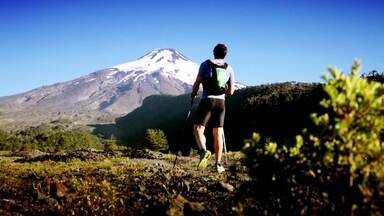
(112, 91)
(104, 94)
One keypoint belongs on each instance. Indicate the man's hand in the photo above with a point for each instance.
(195, 87)
(229, 91)
(193, 95)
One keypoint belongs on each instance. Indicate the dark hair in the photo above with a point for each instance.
(220, 51)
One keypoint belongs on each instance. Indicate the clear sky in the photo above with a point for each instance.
(45, 41)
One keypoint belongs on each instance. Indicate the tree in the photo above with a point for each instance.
(155, 139)
(3, 138)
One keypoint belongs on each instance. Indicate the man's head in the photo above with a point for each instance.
(220, 51)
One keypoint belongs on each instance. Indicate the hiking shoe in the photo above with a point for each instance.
(220, 168)
(204, 157)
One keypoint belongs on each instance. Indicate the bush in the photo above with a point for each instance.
(374, 76)
(155, 139)
(3, 137)
(48, 139)
(111, 144)
(337, 167)
(72, 140)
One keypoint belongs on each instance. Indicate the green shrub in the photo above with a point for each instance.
(155, 139)
(72, 140)
(48, 139)
(3, 138)
(340, 162)
(110, 144)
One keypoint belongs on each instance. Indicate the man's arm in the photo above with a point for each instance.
(196, 86)
(231, 83)
(199, 79)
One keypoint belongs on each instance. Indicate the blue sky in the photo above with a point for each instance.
(45, 41)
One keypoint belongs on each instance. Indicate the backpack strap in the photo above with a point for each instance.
(214, 66)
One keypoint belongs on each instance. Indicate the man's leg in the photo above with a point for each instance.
(203, 115)
(218, 143)
(218, 115)
(198, 131)
(200, 140)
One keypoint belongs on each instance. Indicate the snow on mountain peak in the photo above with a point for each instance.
(167, 61)
(165, 54)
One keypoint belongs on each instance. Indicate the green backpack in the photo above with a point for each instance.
(217, 84)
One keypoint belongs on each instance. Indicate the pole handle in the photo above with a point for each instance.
(192, 100)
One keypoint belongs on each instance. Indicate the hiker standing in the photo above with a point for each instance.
(217, 78)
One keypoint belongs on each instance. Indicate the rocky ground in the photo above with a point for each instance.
(135, 182)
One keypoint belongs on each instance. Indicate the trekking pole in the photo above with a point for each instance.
(225, 149)
(185, 124)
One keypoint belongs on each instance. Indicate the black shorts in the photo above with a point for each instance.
(213, 110)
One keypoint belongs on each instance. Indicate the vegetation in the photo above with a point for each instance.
(53, 189)
(103, 184)
(374, 76)
(276, 110)
(318, 150)
(111, 144)
(336, 167)
(49, 139)
(155, 139)
(131, 129)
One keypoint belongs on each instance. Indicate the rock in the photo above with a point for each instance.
(138, 153)
(65, 156)
(202, 190)
(181, 206)
(40, 195)
(141, 188)
(186, 184)
(180, 201)
(61, 189)
(177, 206)
(227, 186)
(193, 207)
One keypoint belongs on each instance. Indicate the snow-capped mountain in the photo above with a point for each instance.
(169, 62)
(116, 90)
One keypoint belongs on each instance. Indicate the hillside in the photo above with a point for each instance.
(277, 111)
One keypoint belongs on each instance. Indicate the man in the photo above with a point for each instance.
(217, 78)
